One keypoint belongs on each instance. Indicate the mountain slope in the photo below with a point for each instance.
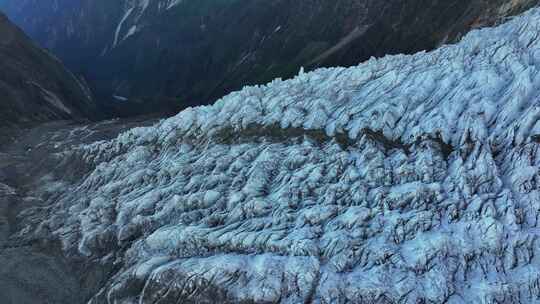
(34, 86)
(171, 54)
(408, 179)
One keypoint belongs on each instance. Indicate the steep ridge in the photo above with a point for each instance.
(34, 86)
(163, 54)
(406, 179)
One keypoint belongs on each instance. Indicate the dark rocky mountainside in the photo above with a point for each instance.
(167, 54)
(35, 86)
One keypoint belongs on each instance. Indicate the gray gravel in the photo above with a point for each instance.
(38, 271)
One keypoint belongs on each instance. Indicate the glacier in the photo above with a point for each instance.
(406, 179)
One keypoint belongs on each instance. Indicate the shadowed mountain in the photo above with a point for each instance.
(166, 55)
(35, 86)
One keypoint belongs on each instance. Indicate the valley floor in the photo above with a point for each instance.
(38, 272)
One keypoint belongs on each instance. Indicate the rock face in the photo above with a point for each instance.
(408, 179)
(171, 54)
(34, 86)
